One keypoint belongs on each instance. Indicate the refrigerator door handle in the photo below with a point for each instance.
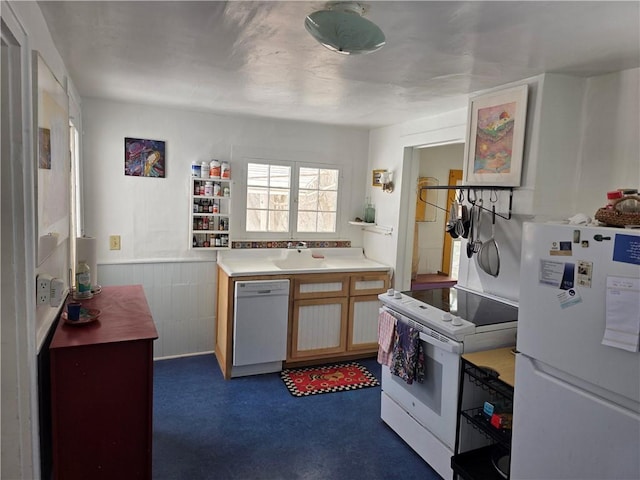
(624, 406)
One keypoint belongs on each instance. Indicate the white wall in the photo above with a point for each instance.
(152, 215)
(572, 125)
(610, 139)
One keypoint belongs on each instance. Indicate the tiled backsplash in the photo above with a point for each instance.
(285, 243)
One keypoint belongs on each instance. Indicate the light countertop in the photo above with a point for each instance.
(280, 261)
(502, 360)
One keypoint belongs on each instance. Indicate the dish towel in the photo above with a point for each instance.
(408, 357)
(386, 336)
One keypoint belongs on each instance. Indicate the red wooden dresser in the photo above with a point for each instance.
(101, 390)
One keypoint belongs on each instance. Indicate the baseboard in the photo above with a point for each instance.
(182, 355)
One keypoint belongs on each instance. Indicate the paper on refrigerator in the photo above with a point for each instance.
(622, 313)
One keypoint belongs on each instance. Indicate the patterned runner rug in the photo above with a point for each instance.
(303, 382)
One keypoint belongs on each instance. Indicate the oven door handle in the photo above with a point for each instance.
(434, 338)
(448, 346)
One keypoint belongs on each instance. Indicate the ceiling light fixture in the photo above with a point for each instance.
(342, 28)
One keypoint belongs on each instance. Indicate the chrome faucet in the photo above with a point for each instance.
(299, 245)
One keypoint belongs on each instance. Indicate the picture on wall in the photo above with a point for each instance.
(144, 158)
(44, 148)
(495, 138)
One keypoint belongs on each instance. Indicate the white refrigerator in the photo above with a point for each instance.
(577, 385)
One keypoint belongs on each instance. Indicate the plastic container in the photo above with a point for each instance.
(214, 169)
(613, 196)
(195, 169)
(225, 171)
(83, 278)
(204, 170)
(216, 189)
(208, 188)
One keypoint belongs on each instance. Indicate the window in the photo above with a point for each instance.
(270, 200)
(317, 199)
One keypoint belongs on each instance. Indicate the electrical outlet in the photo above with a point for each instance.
(114, 242)
(43, 289)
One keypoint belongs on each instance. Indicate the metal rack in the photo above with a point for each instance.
(472, 196)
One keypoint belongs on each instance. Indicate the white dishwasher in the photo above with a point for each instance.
(260, 318)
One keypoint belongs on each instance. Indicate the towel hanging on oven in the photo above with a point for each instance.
(408, 357)
(386, 335)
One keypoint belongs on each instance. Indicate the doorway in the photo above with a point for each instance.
(435, 254)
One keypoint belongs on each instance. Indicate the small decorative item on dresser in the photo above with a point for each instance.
(623, 212)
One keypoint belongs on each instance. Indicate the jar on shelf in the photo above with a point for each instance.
(201, 189)
(216, 208)
(208, 188)
(195, 169)
(216, 189)
(204, 170)
(226, 191)
(225, 171)
(214, 169)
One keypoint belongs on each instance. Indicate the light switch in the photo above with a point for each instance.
(114, 242)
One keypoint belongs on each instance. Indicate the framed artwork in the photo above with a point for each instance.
(53, 160)
(376, 181)
(495, 138)
(144, 158)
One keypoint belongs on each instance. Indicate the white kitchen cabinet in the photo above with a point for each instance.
(210, 214)
(320, 310)
(363, 310)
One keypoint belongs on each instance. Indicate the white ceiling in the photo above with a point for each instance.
(256, 58)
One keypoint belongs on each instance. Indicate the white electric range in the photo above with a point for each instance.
(451, 321)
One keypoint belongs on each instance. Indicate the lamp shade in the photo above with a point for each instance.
(344, 30)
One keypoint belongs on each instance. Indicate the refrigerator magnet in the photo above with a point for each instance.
(585, 273)
(560, 248)
(569, 298)
(626, 249)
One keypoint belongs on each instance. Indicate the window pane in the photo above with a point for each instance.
(326, 222)
(307, 221)
(308, 178)
(278, 199)
(256, 220)
(308, 200)
(280, 176)
(278, 221)
(328, 179)
(257, 197)
(328, 201)
(257, 174)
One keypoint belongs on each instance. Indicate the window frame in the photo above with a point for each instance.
(240, 201)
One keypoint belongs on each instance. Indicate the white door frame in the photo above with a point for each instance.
(20, 429)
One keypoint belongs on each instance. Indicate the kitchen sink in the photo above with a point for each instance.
(298, 259)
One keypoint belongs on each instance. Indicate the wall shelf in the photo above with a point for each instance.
(373, 227)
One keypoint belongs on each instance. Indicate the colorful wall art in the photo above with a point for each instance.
(144, 158)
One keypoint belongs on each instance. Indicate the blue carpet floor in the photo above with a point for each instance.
(205, 427)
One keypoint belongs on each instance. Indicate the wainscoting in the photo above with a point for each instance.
(182, 299)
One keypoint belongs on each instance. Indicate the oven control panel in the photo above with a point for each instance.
(443, 322)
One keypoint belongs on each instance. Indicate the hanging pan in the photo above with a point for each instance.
(489, 254)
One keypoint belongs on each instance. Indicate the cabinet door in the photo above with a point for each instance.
(368, 283)
(319, 327)
(363, 323)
